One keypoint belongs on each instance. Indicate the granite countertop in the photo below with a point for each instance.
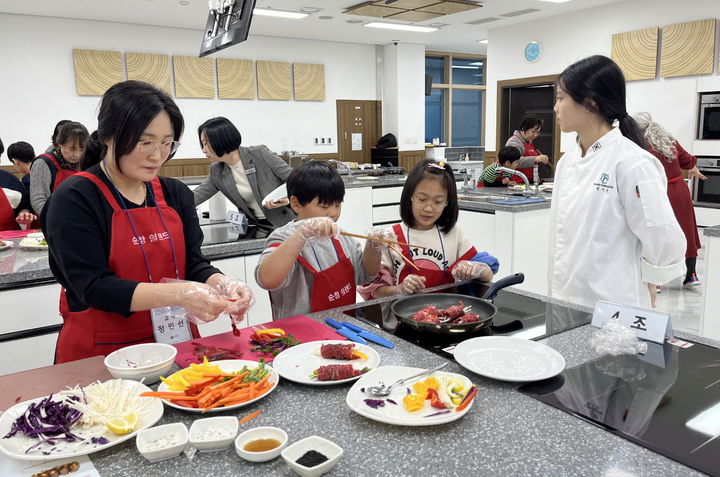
(505, 433)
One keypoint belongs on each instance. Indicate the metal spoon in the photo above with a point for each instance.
(382, 390)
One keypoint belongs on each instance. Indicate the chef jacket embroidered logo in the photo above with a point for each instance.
(595, 147)
(602, 184)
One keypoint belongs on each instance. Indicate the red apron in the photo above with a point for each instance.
(433, 278)
(7, 214)
(60, 173)
(528, 171)
(94, 332)
(334, 286)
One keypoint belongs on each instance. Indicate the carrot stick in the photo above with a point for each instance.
(250, 416)
(168, 395)
(467, 401)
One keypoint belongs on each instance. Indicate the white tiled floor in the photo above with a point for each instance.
(683, 303)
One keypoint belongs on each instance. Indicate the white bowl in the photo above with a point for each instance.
(146, 361)
(329, 449)
(162, 442)
(260, 433)
(214, 433)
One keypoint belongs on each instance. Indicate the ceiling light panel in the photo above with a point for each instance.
(520, 12)
(399, 26)
(279, 13)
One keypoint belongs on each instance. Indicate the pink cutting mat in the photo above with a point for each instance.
(301, 327)
(13, 234)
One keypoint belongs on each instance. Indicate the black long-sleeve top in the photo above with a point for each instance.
(9, 181)
(77, 225)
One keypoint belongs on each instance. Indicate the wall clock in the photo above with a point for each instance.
(533, 50)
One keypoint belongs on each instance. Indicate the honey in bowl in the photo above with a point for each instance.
(262, 445)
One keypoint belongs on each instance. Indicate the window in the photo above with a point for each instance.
(455, 109)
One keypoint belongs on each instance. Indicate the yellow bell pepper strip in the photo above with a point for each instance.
(414, 402)
(267, 335)
(360, 354)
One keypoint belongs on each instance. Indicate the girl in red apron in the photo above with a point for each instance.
(429, 210)
(116, 230)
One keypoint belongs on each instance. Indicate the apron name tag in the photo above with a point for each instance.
(250, 171)
(170, 325)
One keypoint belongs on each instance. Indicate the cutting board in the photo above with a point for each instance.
(35, 383)
(301, 327)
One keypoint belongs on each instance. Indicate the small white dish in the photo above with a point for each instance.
(329, 449)
(213, 433)
(36, 235)
(277, 194)
(162, 442)
(146, 361)
(260, 433)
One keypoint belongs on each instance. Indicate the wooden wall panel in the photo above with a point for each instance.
(273, 79)
(688, 48)
(194, 77)
(154, 69)
(635, 52)
(96, 71)
(409, 159)
(235, 79)
(309, 82)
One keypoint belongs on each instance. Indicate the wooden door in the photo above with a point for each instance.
(358, 124)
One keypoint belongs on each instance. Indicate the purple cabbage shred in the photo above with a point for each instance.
(439, 413)
(375, 403)
(391, 401)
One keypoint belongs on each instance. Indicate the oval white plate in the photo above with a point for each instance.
(396, 413)
(7, 244)
(509, 359)
(15, 446)
(229, 366)
(277, 194)
(299, 362)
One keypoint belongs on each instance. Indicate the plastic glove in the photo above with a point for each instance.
(314, 228)
(238, 295)
(412, 284)
(25, 217)
(269, 204)
(202, 302)
(466, 270)
(385, 234)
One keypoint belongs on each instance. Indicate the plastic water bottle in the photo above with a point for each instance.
(536, 175)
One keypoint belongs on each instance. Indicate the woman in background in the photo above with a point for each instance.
(674, 158)
(245, 175)
(522, 140)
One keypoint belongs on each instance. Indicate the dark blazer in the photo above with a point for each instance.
(269, 173)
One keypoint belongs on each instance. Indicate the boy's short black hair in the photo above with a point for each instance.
(530, 121)
(222, 135)
(316, 179)
(21, 151)
(2, 148)
(508, 154)
(444, 174)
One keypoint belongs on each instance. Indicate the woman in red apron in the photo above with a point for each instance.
(9, 218)
(674, 159)
(522, 139)
(429, 210)
(117, 229)
(51, 169)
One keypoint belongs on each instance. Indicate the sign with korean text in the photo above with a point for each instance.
(170, 325)
(649, 325)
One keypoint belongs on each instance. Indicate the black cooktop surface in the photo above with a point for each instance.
(667, 400)
(517, 315)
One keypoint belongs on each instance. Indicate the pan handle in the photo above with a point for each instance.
(505, 282)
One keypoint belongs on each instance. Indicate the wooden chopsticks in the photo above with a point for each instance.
(403, 257)
(348, 234)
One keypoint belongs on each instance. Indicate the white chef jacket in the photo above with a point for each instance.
(612, 229)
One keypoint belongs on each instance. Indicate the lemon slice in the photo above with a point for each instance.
(123, 425)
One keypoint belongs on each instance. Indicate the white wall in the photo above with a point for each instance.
(404, 94)
(37, 81)
(568, 38)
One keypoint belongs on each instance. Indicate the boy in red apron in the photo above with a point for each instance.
(491, 177)
(307, 266)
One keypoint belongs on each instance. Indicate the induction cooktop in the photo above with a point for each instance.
(667, 400)
(517, 315)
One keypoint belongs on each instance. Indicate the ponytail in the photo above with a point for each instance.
(629, 128)
(94, 152)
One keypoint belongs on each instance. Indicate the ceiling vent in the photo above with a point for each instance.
(520, 12)
(483, 20)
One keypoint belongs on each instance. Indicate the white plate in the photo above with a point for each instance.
(509, 359)
(397, 414)
(7, 244)
(229, 366)
(32, 244)
(299, 362)
(15, 446)
(277, 194)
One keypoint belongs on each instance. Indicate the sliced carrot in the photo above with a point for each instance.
(250, 416)
(467, 401)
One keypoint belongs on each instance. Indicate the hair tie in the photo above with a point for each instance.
(623, 116)
(440, 166)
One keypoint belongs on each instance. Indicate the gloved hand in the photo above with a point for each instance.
(25, 217)
(269, 204)
(237, 294)
(316, 227)
(201, 301)
(466, 270)
(382, 233)
(412, 284)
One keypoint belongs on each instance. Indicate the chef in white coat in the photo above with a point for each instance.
(612, 229)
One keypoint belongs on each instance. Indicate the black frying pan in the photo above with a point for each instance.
(404, 308)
